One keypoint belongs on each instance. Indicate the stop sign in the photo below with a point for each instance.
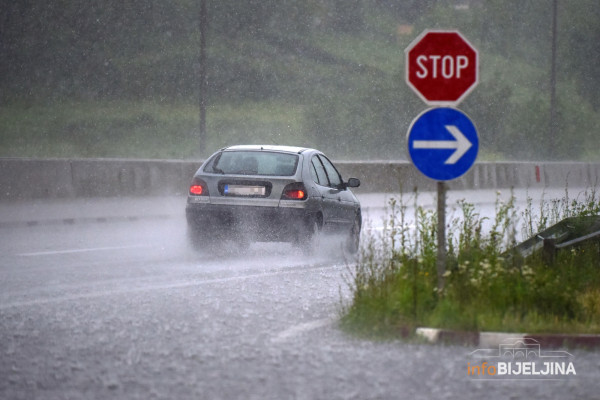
(441, 67)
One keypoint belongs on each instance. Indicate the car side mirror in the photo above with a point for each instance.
(353, 183)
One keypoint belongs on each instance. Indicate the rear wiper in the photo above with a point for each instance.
(218, 170)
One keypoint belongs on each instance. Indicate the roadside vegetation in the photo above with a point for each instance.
(487, 287)
(121, 80)
(138, 129)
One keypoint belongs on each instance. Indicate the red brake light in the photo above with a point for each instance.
(198, 187)
(295, 194)
(196, 190)
(294, 191)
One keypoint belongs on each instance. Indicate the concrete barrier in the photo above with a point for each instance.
(393, 176)
(22, 178)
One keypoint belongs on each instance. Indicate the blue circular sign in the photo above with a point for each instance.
(443, 143)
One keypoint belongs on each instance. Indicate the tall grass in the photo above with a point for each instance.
(141, 129)
(394, 282)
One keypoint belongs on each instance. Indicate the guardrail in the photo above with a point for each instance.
(23, 178)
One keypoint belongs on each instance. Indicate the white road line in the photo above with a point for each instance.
(73, 251)
(299, 329)
(173, 285)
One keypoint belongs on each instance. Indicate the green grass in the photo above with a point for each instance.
(388, 57)
(260, 123)
(141, 129)
(394, 282)
(342, 93)
(97, 129)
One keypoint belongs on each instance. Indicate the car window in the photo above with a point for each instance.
(318, 172)
(253, 163)
(313, 172)
(335, 179)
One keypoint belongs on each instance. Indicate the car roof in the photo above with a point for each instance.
(282, 149)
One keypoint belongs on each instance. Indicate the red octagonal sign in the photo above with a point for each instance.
(441, 67)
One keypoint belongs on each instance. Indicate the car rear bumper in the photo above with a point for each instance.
(257, 223)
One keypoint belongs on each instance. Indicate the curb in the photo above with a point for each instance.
(494, 339)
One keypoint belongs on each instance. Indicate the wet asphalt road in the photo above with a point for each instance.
(125, 310)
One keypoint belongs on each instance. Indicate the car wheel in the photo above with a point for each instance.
(198, 240)
(311, 238)
(240, 243)
(353, 240)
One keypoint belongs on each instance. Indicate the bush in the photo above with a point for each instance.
(394, 281)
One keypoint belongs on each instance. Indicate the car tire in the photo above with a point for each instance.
(240, 243)
(310, 241)
(198, 240)
(353, 239)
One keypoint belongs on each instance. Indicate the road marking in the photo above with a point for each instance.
(299, 329)
(175, 285)
(74, 251)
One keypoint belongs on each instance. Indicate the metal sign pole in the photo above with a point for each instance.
(437, 130)
(441, 234)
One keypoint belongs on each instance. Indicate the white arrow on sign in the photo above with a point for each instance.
(461, 144)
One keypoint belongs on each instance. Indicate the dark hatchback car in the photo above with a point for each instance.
(271, 193)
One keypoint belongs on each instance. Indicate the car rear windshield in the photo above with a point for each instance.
(253, 163)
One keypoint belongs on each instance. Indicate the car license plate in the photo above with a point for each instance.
(244, 190)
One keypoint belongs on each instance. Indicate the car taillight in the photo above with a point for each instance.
(294, 191)
(196, 190)
(198, 187)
